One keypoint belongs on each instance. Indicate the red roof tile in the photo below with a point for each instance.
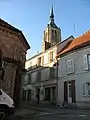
(77, 43)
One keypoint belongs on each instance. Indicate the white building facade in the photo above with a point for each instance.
(40, 77)
(74, 73)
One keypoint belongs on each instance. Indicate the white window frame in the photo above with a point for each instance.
(70, 66)
(86, 62)
(88, 91)
(85, 89)
(42, 60)
(39, 61)
(51, 56)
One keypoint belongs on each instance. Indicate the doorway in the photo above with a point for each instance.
(69, 92)
(29, 95)
(47, 94)
(38, 95)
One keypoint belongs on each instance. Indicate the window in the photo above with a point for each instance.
(86, 88)
(52, 72)
(86, 59)
(39, 75)
(70, 66)
(53, 93)
(29, 78)
(42, 60)
(39, 61)
(51, 56)
(55, 35)
(24, 95)
(28, 95)
(52, 34)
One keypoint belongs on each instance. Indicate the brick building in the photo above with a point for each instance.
(13, 49)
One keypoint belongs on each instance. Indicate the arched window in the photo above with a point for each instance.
(55, 35)
(52, 35)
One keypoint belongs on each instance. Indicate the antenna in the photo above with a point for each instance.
(74, 29)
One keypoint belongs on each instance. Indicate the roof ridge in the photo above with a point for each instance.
(85, 33)
(77, 42)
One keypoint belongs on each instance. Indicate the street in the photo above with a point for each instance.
(53, 114)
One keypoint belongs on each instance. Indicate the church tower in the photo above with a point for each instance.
(52, 34)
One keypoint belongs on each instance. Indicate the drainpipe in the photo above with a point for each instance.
(57, 81)
(56, 65)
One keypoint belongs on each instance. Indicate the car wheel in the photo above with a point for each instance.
(2, 114)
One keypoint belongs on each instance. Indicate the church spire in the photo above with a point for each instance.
(51, 15)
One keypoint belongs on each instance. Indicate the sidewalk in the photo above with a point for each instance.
(46, 107)
(41, 107)
(24, 111)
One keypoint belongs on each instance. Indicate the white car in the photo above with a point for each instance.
(6, 105)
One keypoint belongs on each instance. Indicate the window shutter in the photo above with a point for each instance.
(88, 59)
(68, 66)
(85, 62)
(84, 89)
(72, 65)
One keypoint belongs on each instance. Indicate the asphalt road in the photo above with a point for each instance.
(55, 115)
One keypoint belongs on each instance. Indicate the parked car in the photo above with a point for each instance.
(6, 105)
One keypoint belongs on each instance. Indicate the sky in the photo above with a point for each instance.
(32, 17)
